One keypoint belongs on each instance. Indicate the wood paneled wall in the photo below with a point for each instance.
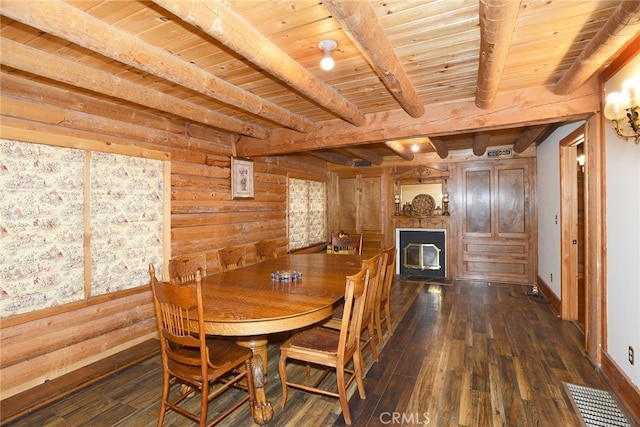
(358, 203)
(498, 226)
(502, 254)
(39, 346)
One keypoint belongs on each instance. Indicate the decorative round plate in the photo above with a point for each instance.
(423, 204)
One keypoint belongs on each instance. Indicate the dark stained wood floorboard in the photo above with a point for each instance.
(470, 354)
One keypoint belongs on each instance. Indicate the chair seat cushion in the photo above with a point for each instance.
(222, 353)
(320, 339)
(223, 357)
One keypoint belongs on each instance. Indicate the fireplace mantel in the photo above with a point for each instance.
(402, 221)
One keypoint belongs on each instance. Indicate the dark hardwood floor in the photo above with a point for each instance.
(467, 354)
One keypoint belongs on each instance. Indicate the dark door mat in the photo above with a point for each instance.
(596, 407)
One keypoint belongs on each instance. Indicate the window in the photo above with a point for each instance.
(77, 223)
(307, 213)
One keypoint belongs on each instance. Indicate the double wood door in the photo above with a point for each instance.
(358, 205)
(497, 221)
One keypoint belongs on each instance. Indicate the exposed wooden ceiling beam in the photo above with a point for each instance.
(480, 143)
(331, 157)
(40, 63)
(366, 154)
(76, 26)
(497, 23)
(622, 28)
(220, 22)
(361, 24)
(400, 150)
(524, 107)
(528, 137)
(440, 147)
(548, 130)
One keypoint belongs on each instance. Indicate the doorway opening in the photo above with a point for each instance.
(572, 184)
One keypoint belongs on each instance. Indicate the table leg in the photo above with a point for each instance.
(257, 344)
(261, 409)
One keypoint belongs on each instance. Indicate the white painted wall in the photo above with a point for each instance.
(548, 194)
(623, 239)
(622, 180)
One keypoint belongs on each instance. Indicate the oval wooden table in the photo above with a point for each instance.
(246, 303)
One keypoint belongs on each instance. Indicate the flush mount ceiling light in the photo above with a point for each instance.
(415, 147)
(327, 46)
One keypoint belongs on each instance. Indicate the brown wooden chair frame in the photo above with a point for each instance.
(332, 348)
(266, 249)
(183, 268)
(204, 365)
(383, 299)
(232, 257)
(367, 326)
(351, 245)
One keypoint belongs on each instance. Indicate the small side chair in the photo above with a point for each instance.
(351, 245)
(232, 258)
(266, 249)
(367, 325)
(205, 365)
(383, 300)
(333, 349)
(183, 268)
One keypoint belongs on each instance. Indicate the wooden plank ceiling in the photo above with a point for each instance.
(446, 75)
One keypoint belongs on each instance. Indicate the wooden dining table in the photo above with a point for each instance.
(247, 303)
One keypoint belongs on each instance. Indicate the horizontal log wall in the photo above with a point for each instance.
(39, 346)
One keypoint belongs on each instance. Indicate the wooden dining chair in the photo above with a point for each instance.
(266, 249)
(183, 268)
(383, 299)
(232, 257)
(367, 326)
(350, 245)
(207, 366)
(333, 349)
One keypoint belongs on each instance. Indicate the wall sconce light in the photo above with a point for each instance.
(327, 46)
(625, 104)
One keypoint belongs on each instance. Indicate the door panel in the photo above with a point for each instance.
(360, 208)
(477, 192)
(371, 196)
(347, 194)
(511, 201)
(496, 232)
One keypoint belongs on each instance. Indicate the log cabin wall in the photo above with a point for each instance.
(43, 345)
(204, 218)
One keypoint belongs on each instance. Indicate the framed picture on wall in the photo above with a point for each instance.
(241, 178)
